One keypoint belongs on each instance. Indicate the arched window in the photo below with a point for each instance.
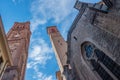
(106, 68)
(88, 50)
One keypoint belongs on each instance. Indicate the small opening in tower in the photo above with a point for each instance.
(75, 38)
(53, 30)
(1, 60)
(58, 41)
(18, 27)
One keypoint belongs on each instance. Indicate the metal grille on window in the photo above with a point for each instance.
(98, 68)
(108, 62)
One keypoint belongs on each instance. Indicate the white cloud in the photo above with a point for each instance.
(36, 22)
(41, 76)
(40, 53)
(49, 78)
(16, 1)
(44, 11)
(13, 0)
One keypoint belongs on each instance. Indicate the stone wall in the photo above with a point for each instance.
(103, 30)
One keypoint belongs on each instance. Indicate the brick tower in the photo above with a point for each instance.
(59, 45)
(18, 40)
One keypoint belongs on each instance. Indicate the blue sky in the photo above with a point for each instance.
(42, 63)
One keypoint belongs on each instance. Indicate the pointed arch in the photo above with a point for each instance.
(101, 63)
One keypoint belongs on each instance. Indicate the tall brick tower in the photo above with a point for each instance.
(18, 39)
(59, 45)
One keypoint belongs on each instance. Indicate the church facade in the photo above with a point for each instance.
(94, 41)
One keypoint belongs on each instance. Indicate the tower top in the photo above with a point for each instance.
(52, 29)
(27, 22)
(21, 25)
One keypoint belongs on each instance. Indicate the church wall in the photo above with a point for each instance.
(103, 33)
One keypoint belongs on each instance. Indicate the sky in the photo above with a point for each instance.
(41, 64)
